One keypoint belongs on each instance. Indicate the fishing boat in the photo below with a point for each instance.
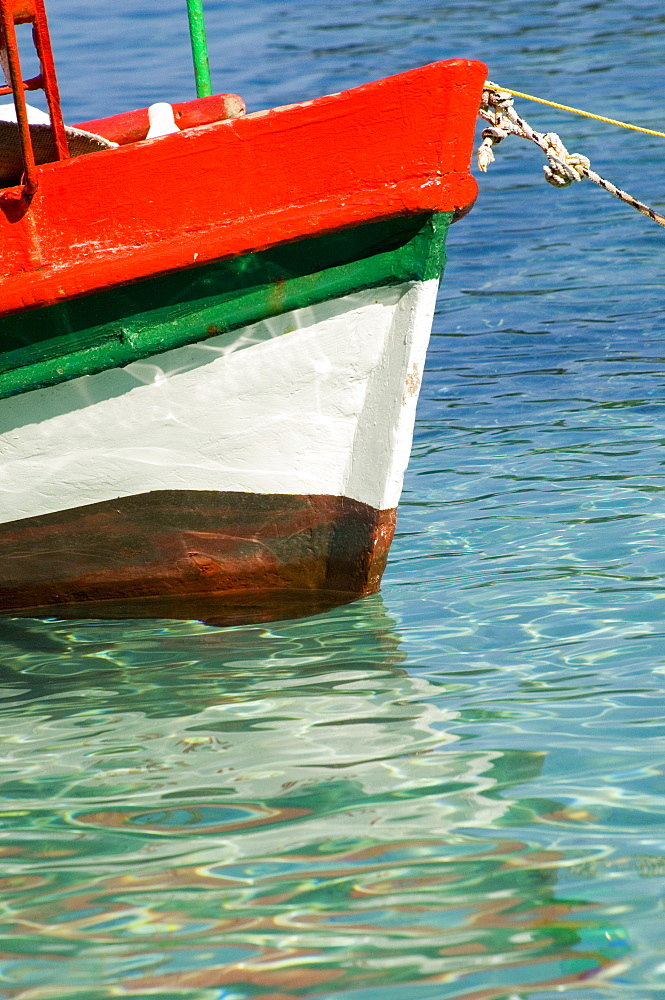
(213, 327)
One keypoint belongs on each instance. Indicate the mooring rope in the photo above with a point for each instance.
(563, 168)
(579, 111)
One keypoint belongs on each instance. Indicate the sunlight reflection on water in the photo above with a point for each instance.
(290, 808)
(454, 790)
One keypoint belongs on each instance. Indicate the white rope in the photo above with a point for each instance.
(562, 168)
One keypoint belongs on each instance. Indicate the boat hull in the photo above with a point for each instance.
(233, 556)
(211, 346)
(260, 463)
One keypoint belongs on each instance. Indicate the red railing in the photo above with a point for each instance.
(13, 12)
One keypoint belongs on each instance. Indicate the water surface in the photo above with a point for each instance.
(454, 790)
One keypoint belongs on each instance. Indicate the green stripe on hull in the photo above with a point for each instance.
(115, 327)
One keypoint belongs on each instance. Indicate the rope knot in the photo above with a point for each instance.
(495, 108)
(562, 168)
(494, 97)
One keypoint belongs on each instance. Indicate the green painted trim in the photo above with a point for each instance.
(170, 311)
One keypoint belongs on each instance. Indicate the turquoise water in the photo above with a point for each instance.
(453, 790)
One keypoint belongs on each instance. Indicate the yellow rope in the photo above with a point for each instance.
(578, 111)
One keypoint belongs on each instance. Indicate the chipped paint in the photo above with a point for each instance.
(411, 384)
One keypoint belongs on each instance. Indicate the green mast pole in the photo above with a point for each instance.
(197, 33)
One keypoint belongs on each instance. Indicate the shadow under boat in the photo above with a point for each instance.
(252, 607)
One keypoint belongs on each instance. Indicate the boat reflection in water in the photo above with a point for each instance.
(283, 811)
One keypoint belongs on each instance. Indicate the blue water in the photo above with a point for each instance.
(454, 789)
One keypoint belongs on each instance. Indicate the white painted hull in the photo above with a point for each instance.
(316, 401)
